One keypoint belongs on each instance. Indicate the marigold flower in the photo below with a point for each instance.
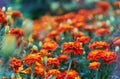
(72, 74)
(53, 34)
(64, 27)
(16, 14)
(95, 55)
(109, 57)
(39, 70)
(51, 45)
(63, 58)
(102, 32)
(31, 59)
(99, 45)
(117, 3)
(94, 65)
(2, 18)
(83, 39)
(117, 42)
(44, 53)
(72, 47)
(53, 61)
(90, 28)
(15, 64)
(103, 6)
(17, 32)
(54, 72)
(77, 34)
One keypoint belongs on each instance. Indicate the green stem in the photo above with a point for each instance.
(97, 73)
(32, 76)
(68, 69)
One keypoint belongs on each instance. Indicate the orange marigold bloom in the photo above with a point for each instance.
(51, 45)
(95, 55)
(72, 47)
(94, 65)
(72, 74)
(63, 58)
(17, 32)
(31, 59)
(99, 45)
(64, 27)
(54, 72)
(39, 70)
(117, 3)
(102, 32)
(77, 34)
(109, 57)
(15, 64)
(90, 28)
(117, 42)
(44, 53)
(83, 39)
(16, 14)
(53, 34)
(2, 18)
(103, 6)
(53, 61)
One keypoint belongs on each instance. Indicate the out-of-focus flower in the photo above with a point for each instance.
(103, 6)
(53, 62)
(117, 4)
(51, 45)
(44, 53)
(99, 45)
(109, 57)
(39, 70)
(16, 14)
(90, 28)
(32, 59)
(63, 58)
(94, 65)
(116, 42)
(64, 27)
(72, 47)
(72, 74)
(2, 18)
(83, 39)
(17, 32)
(54, 72)
(102, 32)
(15, 64)
(77, 34)
(26, 71)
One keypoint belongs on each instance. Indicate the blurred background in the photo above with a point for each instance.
(35, 8)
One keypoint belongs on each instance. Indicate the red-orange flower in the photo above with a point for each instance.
(71, 74)
(95, 55)
(16, 14)
(44, 53)
(102, 32)
(63, 58)
(31, 59)
(53, 34)
(54, 72)
(103, 6)
(15, 64)
(77, 34)
(50, 45)
(83, 39)
(53, 62)
(90, 28)
(17, 32)
(109, 57)
(99, 45)
(94, 65)
(116, 42)
(2, 18)
(117, 3)
(39, 70)
(64, 27)
(72, 47)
